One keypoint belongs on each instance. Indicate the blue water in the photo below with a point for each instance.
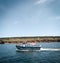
(8, 54)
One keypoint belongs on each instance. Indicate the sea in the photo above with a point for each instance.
(47, 54)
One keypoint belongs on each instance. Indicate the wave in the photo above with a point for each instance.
(50, 49)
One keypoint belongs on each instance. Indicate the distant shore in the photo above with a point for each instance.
(30, 39)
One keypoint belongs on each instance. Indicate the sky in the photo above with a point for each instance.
(29, 18)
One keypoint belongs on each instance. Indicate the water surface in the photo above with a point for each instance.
(8, 54)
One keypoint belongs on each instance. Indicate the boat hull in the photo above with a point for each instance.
(20, 48)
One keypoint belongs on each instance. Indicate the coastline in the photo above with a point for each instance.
(30, 39)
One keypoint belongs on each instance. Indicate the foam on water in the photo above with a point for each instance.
(50, 49)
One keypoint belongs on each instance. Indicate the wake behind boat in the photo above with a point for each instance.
(28, 47)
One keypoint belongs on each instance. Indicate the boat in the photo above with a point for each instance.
(28, 47)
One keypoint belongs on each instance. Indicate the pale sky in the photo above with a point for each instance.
(29, 18)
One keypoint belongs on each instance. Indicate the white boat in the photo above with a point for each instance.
(28, 47)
